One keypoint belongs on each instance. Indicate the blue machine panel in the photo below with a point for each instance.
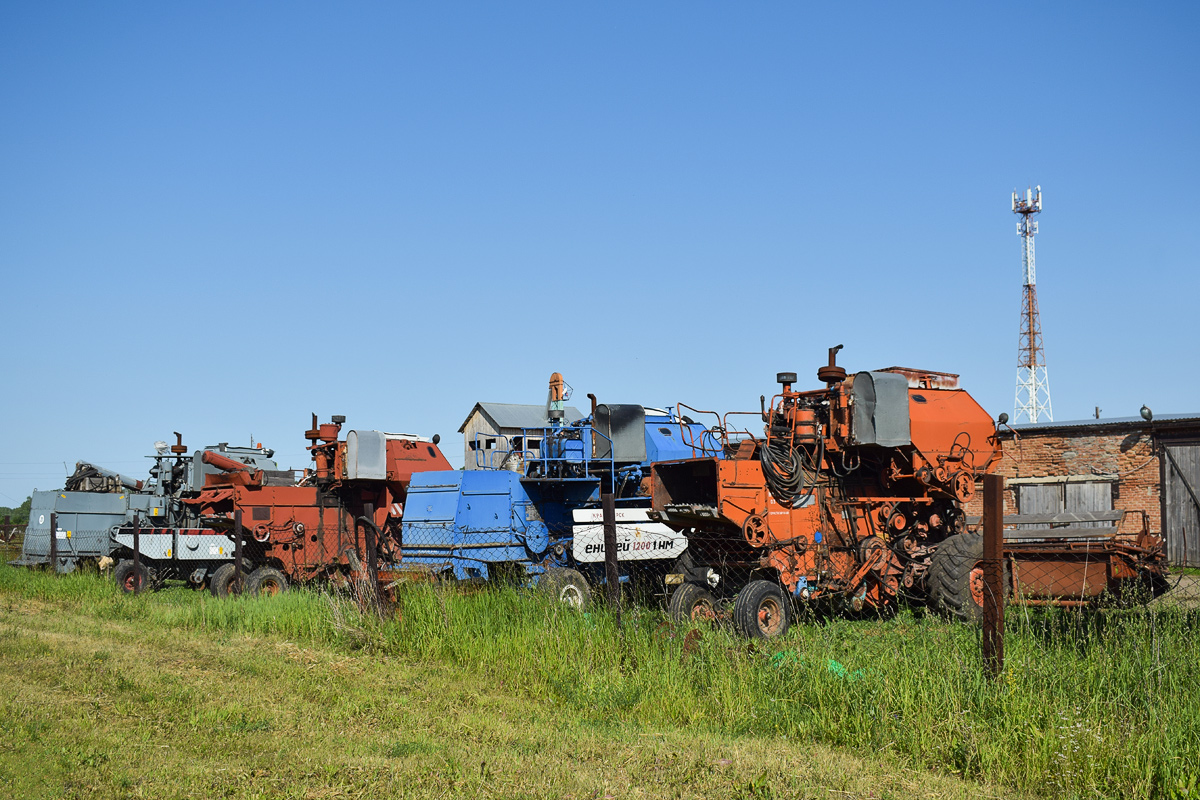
(432, 498)
(668, 440)
(465, 520)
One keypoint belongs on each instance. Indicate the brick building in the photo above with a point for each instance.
(1140, 467)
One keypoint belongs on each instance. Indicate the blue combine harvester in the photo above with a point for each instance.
(531, 510)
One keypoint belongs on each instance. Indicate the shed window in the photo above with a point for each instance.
(1054, 498)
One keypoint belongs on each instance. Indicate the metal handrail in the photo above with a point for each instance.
(480, 463)
(688, 436)
(544, 456)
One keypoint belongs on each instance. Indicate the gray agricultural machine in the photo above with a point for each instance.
(95, 502)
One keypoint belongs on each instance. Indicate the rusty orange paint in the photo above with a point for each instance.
(841, 540)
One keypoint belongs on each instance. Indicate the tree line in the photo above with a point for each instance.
(19, 514)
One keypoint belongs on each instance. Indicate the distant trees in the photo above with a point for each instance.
(20, 514)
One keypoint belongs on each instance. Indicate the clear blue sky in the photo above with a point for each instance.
(217, 218)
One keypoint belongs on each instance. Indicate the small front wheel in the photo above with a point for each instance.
(130, 580)
(568, 586)
(266, 582)
(692, 602)
(223, 582)
(760, 611)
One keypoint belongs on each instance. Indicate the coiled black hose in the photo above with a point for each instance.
(783, 470)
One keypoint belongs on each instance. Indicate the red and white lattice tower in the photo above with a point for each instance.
(1033, 384)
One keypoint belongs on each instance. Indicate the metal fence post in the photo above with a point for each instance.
(612, 576)
(137, 554)
(993, 574)
(237, 552)
(53, 542)
(373, 556)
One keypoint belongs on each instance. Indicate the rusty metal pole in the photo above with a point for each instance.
(611, 575)
(237, 552)
(993, 574)
(53, 542)
(137, 554)
(373, 556)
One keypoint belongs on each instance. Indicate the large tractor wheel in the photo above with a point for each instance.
(761, 610)
(128, 579)
(692, 602)
(955, 578)
(222, 582)
(266, 582)
(567, 586)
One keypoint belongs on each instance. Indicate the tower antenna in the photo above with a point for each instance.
(1033, 384)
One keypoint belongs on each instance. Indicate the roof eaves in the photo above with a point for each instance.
(477, 406)
(1114, 422)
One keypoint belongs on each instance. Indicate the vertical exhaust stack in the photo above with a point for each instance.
(322, 435)
(556, 400)
(831, 373)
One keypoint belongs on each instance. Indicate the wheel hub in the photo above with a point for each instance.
(769, 617)
(977, 586)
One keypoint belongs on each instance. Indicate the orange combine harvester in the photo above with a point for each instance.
(853, 497)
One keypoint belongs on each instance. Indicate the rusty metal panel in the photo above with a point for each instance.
(1060, 578)
(924, 378)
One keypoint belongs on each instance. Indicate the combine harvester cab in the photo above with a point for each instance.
(321, 527)
(531, 508)
(96, 501)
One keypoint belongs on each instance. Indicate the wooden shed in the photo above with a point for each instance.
(1143, 467)
(492, 430)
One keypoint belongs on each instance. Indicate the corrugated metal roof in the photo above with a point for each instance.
(1114, 422)
(514, 415)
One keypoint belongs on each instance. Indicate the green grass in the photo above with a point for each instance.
(1089, 705)
(1100, 704)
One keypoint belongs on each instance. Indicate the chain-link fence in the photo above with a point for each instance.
(694, 568)
(12, 537)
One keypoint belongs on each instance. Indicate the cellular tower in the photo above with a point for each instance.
(1032, 403)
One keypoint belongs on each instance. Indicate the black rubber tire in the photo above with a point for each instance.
(568, 586)
(761, 610)
(222, 584)
(691, 602)
(949, 578)
(127, 578)
(267, 582)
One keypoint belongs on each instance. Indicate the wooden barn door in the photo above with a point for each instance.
(1181, 513)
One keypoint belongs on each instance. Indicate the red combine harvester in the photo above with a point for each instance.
(316, 529)
(853, 497)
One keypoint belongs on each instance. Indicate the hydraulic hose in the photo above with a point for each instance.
(783, 470)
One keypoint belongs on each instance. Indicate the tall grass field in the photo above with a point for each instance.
(1090, 704)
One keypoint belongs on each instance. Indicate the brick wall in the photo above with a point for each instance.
(1123, 453)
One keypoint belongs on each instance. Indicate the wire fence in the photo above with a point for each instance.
(691, 572)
